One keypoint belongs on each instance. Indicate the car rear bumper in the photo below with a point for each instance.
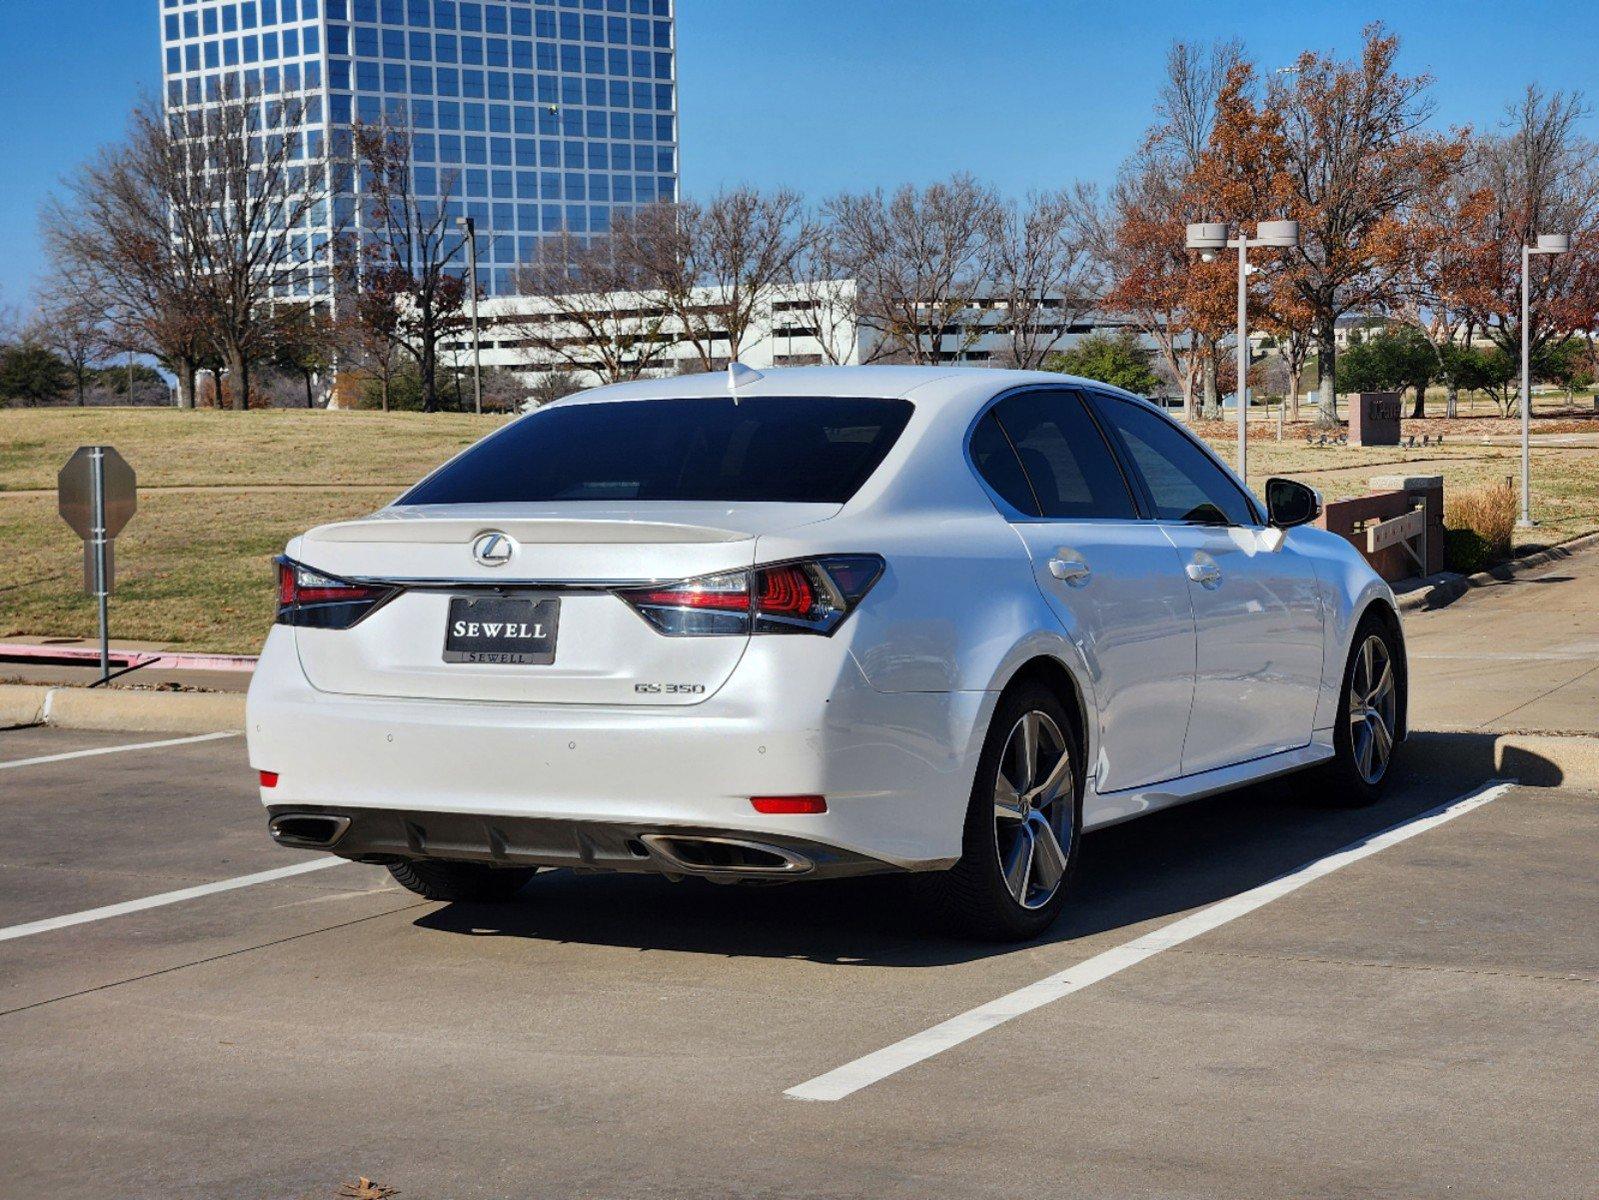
(380, 835)
(794, 719)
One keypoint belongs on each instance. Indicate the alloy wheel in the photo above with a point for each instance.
(1033, 810)
(1373, 709)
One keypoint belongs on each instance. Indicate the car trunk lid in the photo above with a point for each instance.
(603, 652)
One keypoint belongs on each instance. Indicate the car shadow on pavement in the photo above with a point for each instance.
(1130, 874)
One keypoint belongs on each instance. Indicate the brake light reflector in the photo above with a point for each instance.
(811, 595)
(782, 806)
(269, 779)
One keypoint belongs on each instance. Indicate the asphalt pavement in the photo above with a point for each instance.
(1412, 1016)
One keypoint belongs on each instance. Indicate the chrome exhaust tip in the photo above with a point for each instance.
(308, 831)
(694, 854)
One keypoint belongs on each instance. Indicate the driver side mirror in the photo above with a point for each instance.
(1290, 503)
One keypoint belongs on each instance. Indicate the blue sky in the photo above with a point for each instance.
(830, 94)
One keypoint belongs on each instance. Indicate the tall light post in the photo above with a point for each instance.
(469, 227)
(1548, 243)
(1208, 237)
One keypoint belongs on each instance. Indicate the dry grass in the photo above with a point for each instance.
(194, 565)
(210, 448)
(1489, 512)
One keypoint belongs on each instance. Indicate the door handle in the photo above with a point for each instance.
(1204, 571)
(1073, 572)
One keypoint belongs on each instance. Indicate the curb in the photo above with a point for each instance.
(1534, 759)
(128, 711)
(1452, 587)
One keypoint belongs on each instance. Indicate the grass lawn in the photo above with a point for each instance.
(221, 492)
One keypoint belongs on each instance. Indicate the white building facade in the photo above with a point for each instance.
(599, 338)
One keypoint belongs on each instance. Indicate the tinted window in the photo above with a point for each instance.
(1183, 481)
(1066, 459)
(997, 463)
(795, 449)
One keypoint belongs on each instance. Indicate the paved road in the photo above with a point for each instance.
(1419, 1022)
(1521, 656)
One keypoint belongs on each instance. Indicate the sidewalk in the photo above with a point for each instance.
(86, 672)
(1519, 656)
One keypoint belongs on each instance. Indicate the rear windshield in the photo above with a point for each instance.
(799, 449)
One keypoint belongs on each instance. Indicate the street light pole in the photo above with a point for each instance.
(1243, 355)
(1208, 238)
(469, 225)
(1548, 243)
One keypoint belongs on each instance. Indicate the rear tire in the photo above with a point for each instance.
(1366, 736)
(1023, 824)
(438, 880)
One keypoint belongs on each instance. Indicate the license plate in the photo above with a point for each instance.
(501, 629)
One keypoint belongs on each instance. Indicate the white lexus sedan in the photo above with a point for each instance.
(820, 622)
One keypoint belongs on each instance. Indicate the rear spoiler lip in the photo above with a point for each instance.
(533, 531)
(447, 584)
(712, 523)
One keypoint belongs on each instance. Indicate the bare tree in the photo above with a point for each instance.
(825, 299)
(243, 182)
(716, 266)
(304, 344)
(553, 386)
(743, 245)
(1037, 274)
(922, 259)
(408, 257)
(591, 313)
(71, 322)
(1444, 246)
(112, 234)
(1187, 103)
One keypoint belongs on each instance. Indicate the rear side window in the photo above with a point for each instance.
(795, 449)
(996, 461)
(1071, 469)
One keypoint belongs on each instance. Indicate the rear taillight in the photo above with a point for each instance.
(310, 598)
(811, 595)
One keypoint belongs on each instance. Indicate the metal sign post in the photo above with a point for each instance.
(97, 494)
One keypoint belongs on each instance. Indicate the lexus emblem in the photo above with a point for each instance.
(493, 549)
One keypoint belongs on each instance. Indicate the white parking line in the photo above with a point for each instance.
(182, 741)
(880, 1064)
(191, 893)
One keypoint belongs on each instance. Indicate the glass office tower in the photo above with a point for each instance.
(544, 114)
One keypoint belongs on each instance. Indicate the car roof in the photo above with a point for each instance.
(934, 387)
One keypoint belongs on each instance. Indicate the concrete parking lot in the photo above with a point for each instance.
(1417, 1022)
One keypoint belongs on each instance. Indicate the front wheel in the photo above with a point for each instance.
(1023, 825)
(440, 880)
(1366, 737)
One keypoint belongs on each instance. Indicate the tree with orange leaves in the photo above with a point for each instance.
(1213, 154)
(1139, 231)
(1540, 176)
(1356, 156)
(1445, 257)
(1238, 178)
